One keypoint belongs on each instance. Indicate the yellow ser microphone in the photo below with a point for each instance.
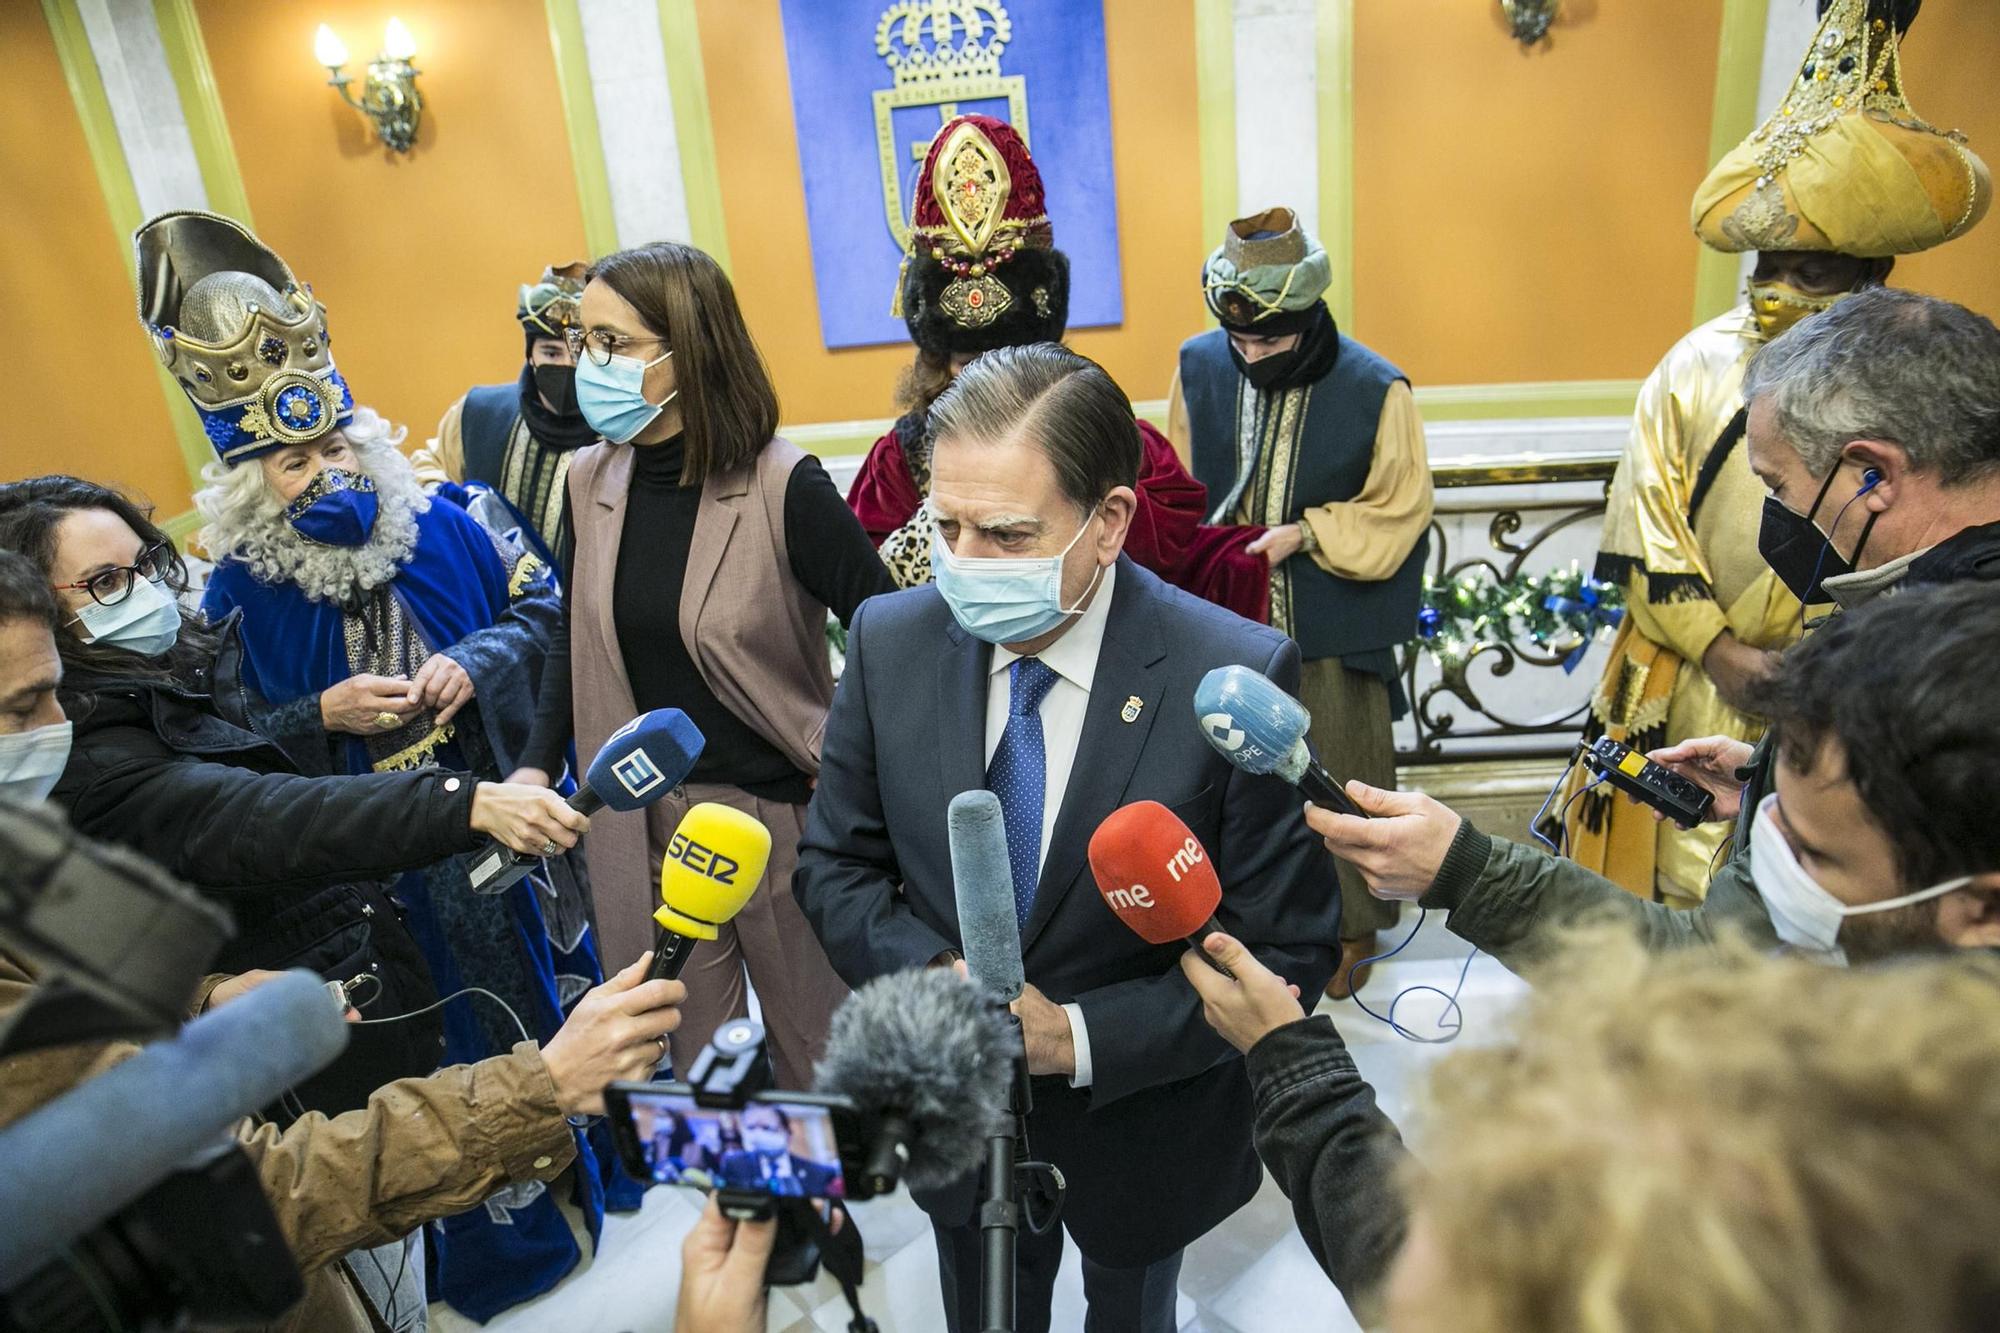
(713, 864)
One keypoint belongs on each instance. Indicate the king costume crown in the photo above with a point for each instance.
(243, 337)
(1845, 165)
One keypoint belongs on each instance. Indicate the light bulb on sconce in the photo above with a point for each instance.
(397, 43)
(389, 96)
(328, 49)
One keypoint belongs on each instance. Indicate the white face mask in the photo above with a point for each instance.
(31, 761)
(1805, 915)
(147, 622)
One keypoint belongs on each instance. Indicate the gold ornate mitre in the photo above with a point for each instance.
(1844, 164)
(242, 336)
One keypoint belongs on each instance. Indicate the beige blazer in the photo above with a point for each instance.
(757, 637)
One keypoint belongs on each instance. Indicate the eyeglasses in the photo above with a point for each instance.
(108, 587)
(600, 345)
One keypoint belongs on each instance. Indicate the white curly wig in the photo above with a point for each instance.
(246, 519)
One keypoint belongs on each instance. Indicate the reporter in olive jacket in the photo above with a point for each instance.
(423, 1148)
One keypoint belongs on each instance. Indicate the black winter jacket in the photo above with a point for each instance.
(175, 772)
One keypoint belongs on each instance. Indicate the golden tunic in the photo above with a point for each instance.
(1685, 583)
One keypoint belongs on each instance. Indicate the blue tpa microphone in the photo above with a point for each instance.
(641, 762)
(1261, 729)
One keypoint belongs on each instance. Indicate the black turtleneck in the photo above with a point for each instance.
(829, 555)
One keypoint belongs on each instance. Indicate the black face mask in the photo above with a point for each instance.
(1800, 554)
(557, 386)
(1265, 371)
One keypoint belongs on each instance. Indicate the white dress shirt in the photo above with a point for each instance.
(1073, 658)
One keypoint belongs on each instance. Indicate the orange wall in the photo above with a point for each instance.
(1948, 63)
(1151, 56)
(1524, 215)
(418, 256)
(81, 395)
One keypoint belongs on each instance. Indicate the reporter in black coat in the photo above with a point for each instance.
(167, 760)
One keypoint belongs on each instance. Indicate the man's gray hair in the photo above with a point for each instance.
(1888, 365)
(1062, 403)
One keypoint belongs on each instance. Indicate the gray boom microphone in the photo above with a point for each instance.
(928, 1057)
(982, 880)
(163, 1107)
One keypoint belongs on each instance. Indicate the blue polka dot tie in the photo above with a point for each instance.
(1018, 774)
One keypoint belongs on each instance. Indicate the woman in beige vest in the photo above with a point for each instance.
(705, 554)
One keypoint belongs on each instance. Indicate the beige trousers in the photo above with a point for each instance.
(769, 944)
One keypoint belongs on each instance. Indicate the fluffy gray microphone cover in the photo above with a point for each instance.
(983, 888)
(927, 1046)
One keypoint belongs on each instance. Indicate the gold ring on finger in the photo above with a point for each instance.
(385, 720)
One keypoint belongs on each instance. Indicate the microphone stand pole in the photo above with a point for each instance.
(1000, 1206)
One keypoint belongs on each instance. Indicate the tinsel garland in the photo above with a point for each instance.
(1561, 611)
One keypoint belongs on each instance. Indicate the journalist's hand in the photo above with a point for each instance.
(617, 1031)
(1399, 851)
(533, 777)
(526, 818)
(443, 684)
(1243, 1011)
(358, 705)
(1710, 762)
(722, 1274)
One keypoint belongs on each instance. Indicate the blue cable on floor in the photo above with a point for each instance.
(1452, 1021)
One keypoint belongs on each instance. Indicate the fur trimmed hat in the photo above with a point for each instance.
(982, 269)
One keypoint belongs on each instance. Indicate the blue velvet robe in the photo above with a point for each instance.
(491, 610)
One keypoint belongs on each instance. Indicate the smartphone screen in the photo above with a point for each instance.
(775, 1147)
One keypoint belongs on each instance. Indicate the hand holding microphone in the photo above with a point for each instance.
(616, 1031)
(1260, 729)
(983, 887)
(637, 765)
(1243, 1000)
(1155, 876)
(714, 862)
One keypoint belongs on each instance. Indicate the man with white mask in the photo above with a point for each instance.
(34, 734)
(1875, 426)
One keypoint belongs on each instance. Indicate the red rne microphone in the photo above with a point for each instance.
(1156, 877)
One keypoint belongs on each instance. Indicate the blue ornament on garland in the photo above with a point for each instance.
(1429, 620)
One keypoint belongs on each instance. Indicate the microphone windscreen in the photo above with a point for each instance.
(1153, 873)
(924, 1045)
(982, 881)
(1250, 721)
(173, 1099)
(645, 759)
(713, 864)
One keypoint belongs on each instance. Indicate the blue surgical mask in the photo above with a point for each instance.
(31, 761)
(337, 508)
(147, 622)
(613, 398)
(1006, 599)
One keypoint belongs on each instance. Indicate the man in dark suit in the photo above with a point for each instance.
(1049, 668)
(767, 1161)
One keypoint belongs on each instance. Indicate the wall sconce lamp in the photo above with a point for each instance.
(389, 95)
(1529, 20)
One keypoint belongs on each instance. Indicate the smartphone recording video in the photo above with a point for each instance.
(781, 1148)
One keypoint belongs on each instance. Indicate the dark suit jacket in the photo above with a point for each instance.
(741, 1170)
(1157, 1150)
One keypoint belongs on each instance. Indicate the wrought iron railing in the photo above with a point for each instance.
(1539, 716)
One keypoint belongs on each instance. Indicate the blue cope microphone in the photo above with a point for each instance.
(1261, 729)
(641, 762)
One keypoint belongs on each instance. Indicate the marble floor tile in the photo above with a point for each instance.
(1285, 1290)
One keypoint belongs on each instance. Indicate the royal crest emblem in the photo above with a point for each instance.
(944, 54)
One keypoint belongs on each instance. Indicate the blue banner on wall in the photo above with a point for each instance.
(864, 125)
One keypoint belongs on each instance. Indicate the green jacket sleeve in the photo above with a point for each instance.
(1510, 900)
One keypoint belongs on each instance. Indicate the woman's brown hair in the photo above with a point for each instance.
(728, 405)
